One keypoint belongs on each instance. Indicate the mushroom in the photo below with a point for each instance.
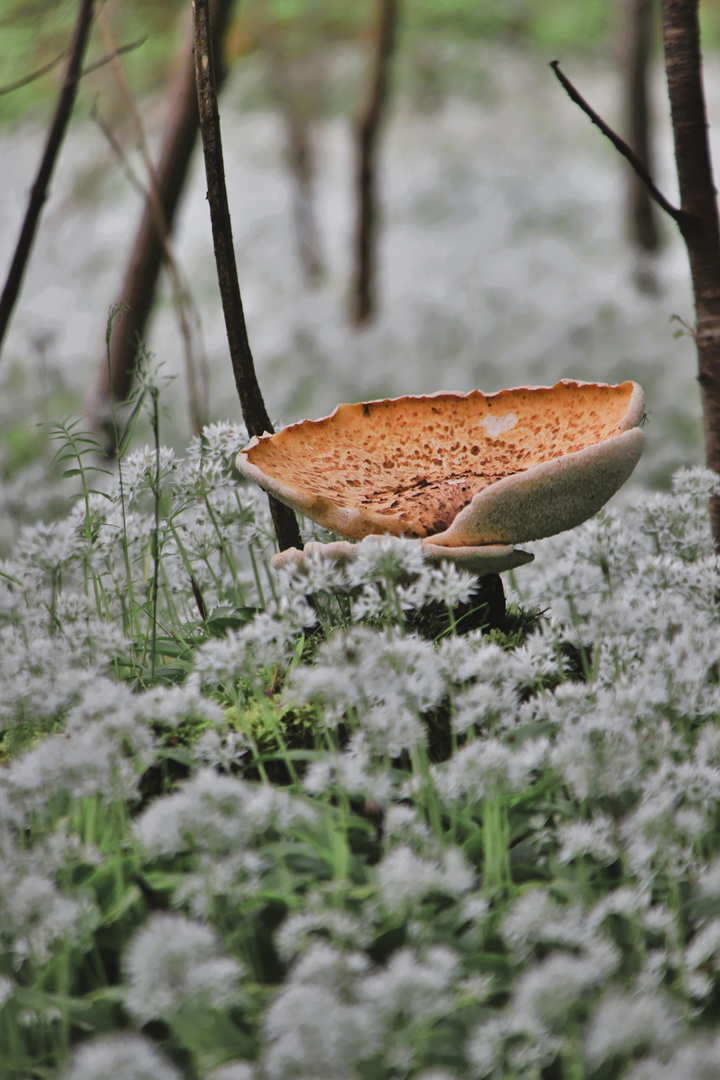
(461, 472)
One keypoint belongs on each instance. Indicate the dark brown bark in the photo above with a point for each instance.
(637, 35)
(699, 222)
(40, 188)
(251, 400)
(364, 298)
(149, 250)
(697, 217)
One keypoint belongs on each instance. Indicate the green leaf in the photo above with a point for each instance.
(129, 429)
(122, 905)
(175, 753)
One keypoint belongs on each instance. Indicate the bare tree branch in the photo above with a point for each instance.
(251, 399)
(121, 50)
(34, 75)
(39, 191)
(620, 145)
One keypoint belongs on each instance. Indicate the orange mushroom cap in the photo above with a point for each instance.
(464, 470)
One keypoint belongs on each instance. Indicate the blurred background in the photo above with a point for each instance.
(511, 245)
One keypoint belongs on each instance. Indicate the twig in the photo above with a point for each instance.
(251, 399)
(95, 66)
(37, 74)
(365, 179)
(121, 50)
(39, 191)
(620, 145)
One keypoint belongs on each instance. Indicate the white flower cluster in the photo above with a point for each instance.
(550, 892)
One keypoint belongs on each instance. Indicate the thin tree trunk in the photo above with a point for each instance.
(364, 299)
(251, 400)
(39, 192)
(637, 32)
(158, 217)
(699, 214)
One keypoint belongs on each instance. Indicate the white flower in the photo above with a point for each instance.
(173, 962)
(622, 1023)
(545, 994)
(696, 1059)
(312, 1032)
(404, 877)
(122, 1057)
(411, 987)
(35, 916)
(536, 918)
(488, 766)
(233, 1070)
(7, 989)
(595, 838)
(217, 814)
(354, 771)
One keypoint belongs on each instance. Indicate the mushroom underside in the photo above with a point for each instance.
(481, 560)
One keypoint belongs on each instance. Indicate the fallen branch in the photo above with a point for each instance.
(251, 400)
(39, 191)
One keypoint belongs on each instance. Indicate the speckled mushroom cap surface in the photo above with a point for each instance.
(464, 469)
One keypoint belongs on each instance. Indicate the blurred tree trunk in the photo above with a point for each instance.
(364, 299)
(636, 28)
(698, 219)
(295, 80)
(147, 255)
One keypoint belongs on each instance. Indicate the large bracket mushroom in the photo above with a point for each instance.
(470, 475)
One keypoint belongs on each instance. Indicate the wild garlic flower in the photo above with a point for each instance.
(233, 1070)
(36, 917)
(354, 771)
(220, 814)
(405, 878)
(140, 472)
(694, 1059)
(173, 963)
(487, 767)
(123, 1057)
